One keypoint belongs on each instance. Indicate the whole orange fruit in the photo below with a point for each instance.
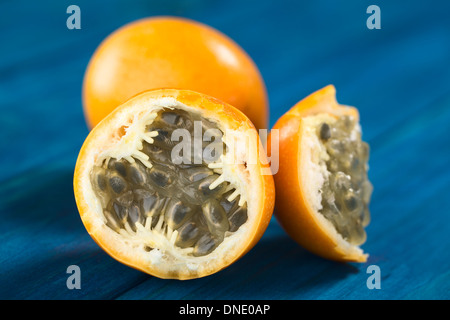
(171, 52)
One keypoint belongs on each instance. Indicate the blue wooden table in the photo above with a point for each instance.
(398, 76)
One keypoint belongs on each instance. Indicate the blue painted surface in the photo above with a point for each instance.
(398, 77)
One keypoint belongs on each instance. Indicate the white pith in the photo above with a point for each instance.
(314, 157)
(161, 238)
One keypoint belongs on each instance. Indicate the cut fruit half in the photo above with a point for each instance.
(172, 52)
(169, 184)
(322, 188)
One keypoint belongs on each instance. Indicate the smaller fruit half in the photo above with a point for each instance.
(322, 187)
(169, 184)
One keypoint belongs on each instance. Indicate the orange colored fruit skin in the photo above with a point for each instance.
(170, 52)
(236, 120)
(291, 209)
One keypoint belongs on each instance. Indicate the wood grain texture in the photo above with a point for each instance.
(398, 77)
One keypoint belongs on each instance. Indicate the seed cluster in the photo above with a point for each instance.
(346, 194)
(169, 196)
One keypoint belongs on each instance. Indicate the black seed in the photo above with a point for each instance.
(187, 124)
(212, 152)
(351, 202)
(228, 206)
(325, 131)
(112, 220)
(118, 166)
(117, 184)
(177, 213)
(151, 148)
(160, 210)
(147, 200)
(215, 216)
(101, 181)
(121, 169)
(134, 214)
(157, 154)
(162, 135)
(197, 174)
(204, 185)
(120, 211)
(170, 118)
(125, 199)
(163, 139)
(137, 174)
(204, 245)
(238, 218)
(160, 178)
(187, 235)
